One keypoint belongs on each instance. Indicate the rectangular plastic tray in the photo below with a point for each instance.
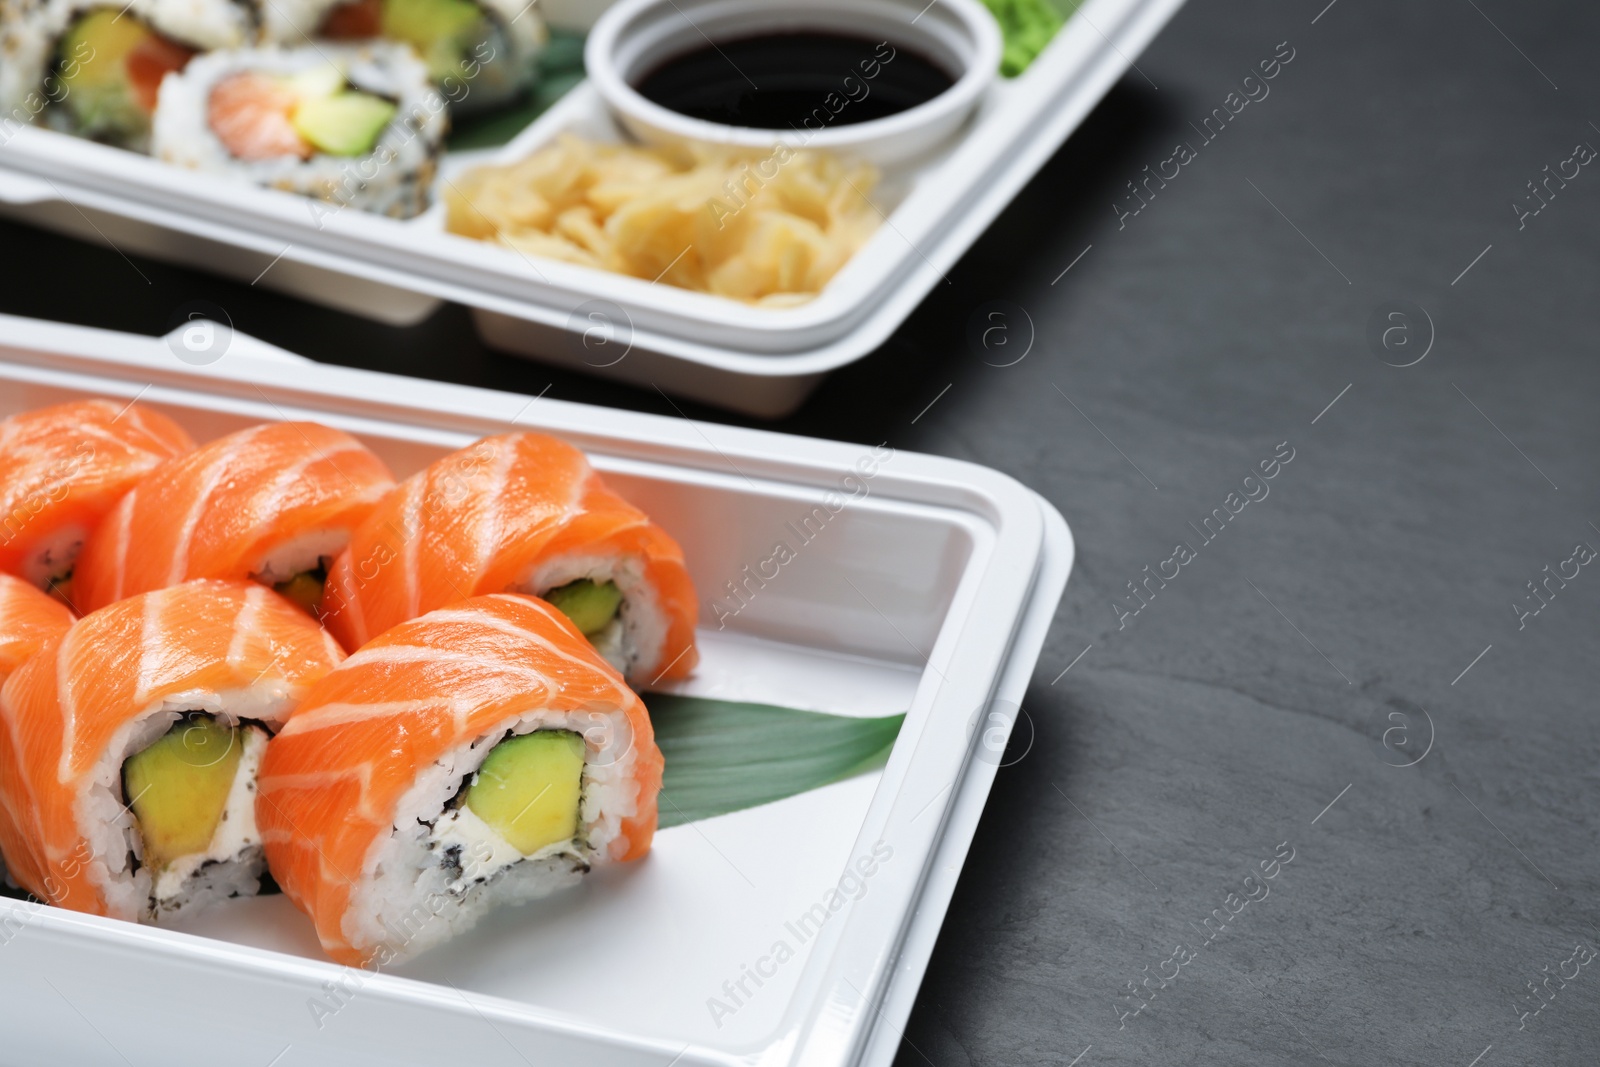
(760, 361)
(930, 593)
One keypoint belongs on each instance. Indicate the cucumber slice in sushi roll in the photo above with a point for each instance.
(481, 53)
(347, 126)
(94, 69)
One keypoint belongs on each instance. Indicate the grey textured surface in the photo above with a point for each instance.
(1256, 687)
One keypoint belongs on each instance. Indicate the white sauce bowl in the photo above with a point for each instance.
(635, 37)
(575, 15)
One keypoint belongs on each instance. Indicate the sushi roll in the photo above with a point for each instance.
(481, 53)
(28, 618)
(521, 513)
(354, 127)
(482, 754)
(62, 469)
(129, 748)
(93, 68)
(273, 504)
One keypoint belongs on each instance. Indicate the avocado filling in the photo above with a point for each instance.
(111, 65)
(347, 122)
(449, 35)
(529, 787)
(192, 795)
(524, 802)
(305, 589)
(590, 605)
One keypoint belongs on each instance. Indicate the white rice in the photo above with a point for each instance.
(54, 556)
(301, 553)
(393, 179)
(233, 864)
(633, 643)
(442, 870)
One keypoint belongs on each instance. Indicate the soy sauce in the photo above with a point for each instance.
(794, 80)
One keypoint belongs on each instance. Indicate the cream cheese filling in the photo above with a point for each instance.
(483, 852)
(610, 642)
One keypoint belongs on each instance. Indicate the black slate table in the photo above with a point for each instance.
(1380, 662)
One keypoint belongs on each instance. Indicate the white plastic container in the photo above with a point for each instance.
(930, 594)
(762, 362)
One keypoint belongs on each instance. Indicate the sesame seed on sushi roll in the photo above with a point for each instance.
(348, 126)
(94, 68)
(481, 53)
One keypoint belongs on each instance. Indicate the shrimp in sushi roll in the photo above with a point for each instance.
(274, 504)
(481, 754)
(129, 747)
(523, 513)
(62, 469)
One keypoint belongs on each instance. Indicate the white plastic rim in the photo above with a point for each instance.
(959, 36)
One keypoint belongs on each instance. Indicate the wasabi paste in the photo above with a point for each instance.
(1026, 26)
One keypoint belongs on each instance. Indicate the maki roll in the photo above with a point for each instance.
(350, 126)
(93, 68)
(521, 513)
(479, 755)
(273, 504)
(28, 618)
(481, 53)
(62, 469)
(129, 747)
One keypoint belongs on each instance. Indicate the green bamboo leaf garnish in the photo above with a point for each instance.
(725, 755)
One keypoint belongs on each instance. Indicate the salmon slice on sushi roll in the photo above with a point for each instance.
(129, 747)
(62, 469)
(28, 618)
(272, 504)
(521, 513)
